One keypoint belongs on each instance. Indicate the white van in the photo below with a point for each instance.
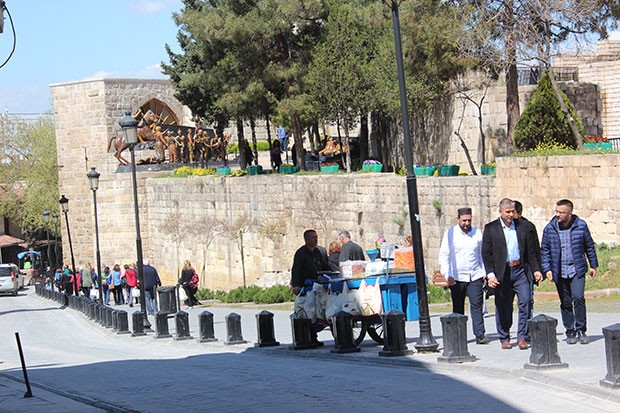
(10, 279)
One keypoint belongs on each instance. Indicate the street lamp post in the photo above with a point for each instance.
(55, 222)
(426, 342)
(129, 126)
(46, 219)
(64, 205)
(93, 178)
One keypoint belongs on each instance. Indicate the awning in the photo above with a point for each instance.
(9, 241)
(22, 254)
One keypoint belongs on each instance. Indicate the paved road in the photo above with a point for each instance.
(75, 365)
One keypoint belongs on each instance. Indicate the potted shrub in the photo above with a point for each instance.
(255, 170)
(372, 165)
(287, 168)
(597, 143)
(488, 169)
(222, 170)
(329, 167)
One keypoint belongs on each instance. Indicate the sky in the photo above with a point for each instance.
(68, 40)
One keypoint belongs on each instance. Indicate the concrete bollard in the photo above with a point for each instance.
(394, 339)
(612, 356)
(181, 319)
(265, 330)
(302, 333)
(161, 325)
(233, 329)
(342, 323)
(544, 353)
(122, 323)
(137, 325)
(205, 327)
(454, 331)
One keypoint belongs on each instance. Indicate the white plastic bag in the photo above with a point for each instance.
(321, 298)
(310, 305)
(334, 304)
(370, 298)
(350, 300)
(298, 307)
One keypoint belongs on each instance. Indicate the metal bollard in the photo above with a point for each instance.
(109, 321)
(394, 341)
(544, 353)
(137, 325)
(181, 319)
(612, 356)
(342, 323)
(161, 325)
(91, 310)
(233, 329)
(122, 323)
(115, 320)
(302, 333)
(454, 331)
(264, 326)
(205, 323)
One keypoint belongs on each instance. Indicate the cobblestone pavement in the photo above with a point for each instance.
(75, 365)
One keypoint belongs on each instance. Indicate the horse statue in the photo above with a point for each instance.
(120, 144)
(146, 126)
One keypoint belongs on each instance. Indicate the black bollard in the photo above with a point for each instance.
(233, 329)
(122, 323)
(302, 333)
(115, 320)
(91, 310)
(181, 319)
(206, 332)
(161, 325)
(109, 320)
(612, 356)
(265, 329)
(342, 323)
(394, 339)
(544, 353)
(454, 331)
(137, 325)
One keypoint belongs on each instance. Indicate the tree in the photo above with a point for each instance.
(28, 171)
(544, 121)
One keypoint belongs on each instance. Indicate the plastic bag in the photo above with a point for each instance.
(298, 307)
(334, 304)
(370, 298)
(310, 305)
(350, 300)
(321, 297)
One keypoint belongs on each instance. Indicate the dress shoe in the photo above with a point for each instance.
(483, 340)
(571, 339)
(583, 337)
(506, 345)
(522, 344)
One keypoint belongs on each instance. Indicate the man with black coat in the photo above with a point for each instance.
(508, 248)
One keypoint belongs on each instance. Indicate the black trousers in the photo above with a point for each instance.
(473, 290)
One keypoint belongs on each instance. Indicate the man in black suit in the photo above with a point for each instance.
(508, 247)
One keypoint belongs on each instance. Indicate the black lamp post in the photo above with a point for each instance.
(93, 178)
(64, 205)
(46, 219)
(130, 129)
(427, 342)
(55, 222)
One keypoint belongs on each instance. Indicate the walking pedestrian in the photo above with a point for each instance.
(189, 282)
(566, 245)
(132, 282)
(116, 284)
(507, 249)
(151, 282)
(460, 263)
(87, 280)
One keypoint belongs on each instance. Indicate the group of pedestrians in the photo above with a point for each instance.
(507, 259)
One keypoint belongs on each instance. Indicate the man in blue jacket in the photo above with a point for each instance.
(566, 243)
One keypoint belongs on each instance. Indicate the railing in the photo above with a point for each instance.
(615, 144)
(530, 75)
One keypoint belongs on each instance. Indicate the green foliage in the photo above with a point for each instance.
(550, 148)
(438, 294)
(28, 171)
(275, 294)
(542, 120)
(258, 295)
(185, 171)
(261, 146)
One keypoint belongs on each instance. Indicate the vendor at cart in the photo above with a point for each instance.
(308, 261)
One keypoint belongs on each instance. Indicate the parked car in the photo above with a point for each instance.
(10, 279)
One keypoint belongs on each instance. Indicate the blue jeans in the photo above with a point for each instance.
(572, 303)
(515, 282)
(151, 300)
(106, 294)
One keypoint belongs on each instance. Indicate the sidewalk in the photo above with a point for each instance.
(496, 372)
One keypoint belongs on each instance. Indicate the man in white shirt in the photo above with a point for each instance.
(460, 262)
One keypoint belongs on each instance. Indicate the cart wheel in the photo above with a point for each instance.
(359, 331)
(375, 331)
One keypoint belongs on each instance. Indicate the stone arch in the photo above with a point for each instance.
(160, 109)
